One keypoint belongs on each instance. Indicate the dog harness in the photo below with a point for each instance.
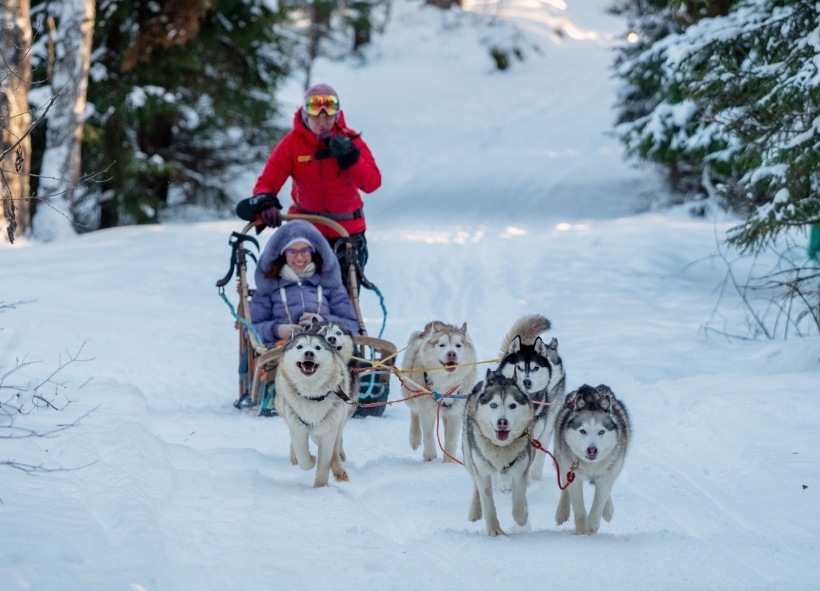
(338, 392)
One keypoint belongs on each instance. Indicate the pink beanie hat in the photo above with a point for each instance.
(319, 89)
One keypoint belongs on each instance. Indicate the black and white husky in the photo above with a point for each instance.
(312, 386)
(494, 441)
(592, 435)
(540, 374)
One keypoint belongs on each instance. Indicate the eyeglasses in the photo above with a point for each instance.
(323, 102)
(292, 252)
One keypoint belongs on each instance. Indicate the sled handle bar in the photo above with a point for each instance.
(238, 237)
(332, 224)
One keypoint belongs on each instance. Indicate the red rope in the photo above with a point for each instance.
(438, 436)
(570, 475)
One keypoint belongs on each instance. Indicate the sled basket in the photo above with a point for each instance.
(374, 389)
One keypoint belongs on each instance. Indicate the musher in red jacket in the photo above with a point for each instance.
(329, 164)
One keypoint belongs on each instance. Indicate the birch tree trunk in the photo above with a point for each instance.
(15, 117)
(60, 172)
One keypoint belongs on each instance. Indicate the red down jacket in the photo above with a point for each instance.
(320, 186)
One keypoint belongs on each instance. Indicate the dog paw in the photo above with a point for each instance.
(609, 510)
(474, 514)
(495, 530)
(429, 457)
(581, 526)
(521, 516)
(593, 524)
(561, 515)
(340, 474)
(308, 464)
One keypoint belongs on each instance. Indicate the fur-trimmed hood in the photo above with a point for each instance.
(288, 231)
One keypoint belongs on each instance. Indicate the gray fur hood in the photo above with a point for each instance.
(330, 277)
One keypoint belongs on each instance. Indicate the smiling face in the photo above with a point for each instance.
(503, 412)
(298, 256)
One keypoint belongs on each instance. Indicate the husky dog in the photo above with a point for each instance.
(592, 434)
(341, 338)
(312, 382)
(540, 374)
(440, 357)
(494, 441)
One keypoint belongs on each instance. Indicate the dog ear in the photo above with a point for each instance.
(553, 344)
(515, 345)
(463, 328)
(540, 347)
(428, 328)
(605, 396)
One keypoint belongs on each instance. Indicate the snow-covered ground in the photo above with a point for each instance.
(503, 196)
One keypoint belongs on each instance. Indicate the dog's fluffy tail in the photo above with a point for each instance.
(528, 328)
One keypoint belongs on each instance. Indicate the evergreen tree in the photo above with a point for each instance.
(734, 102)
(181, 96)
(649, 120)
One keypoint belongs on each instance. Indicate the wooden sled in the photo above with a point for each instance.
(374, 389)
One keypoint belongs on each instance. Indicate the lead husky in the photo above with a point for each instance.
(495, 442)
(592, 434)
(540, 375)
(312, 382)
(340, 338)
(442, 358)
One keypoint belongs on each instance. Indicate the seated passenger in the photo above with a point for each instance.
(297, 280)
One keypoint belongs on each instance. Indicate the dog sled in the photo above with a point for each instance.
(373, 356)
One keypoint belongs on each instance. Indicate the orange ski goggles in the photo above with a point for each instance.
(322, 102)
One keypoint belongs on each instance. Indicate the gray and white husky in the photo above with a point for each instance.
(312, 382)
(540, 374)
(592, 435)
(441, 357)
(340, 338)
(494, 441)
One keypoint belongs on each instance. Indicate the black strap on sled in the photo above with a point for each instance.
(235, 240)
(338, 217)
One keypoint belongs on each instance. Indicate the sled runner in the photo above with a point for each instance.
(374, 386)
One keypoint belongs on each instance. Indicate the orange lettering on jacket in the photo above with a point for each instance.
(307, 158)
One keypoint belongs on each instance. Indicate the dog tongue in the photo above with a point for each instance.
(502, 435)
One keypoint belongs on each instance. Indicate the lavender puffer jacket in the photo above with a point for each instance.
(267, 308)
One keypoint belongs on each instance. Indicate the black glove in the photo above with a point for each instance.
(344, 151)
(263, 207)
(271, 217)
